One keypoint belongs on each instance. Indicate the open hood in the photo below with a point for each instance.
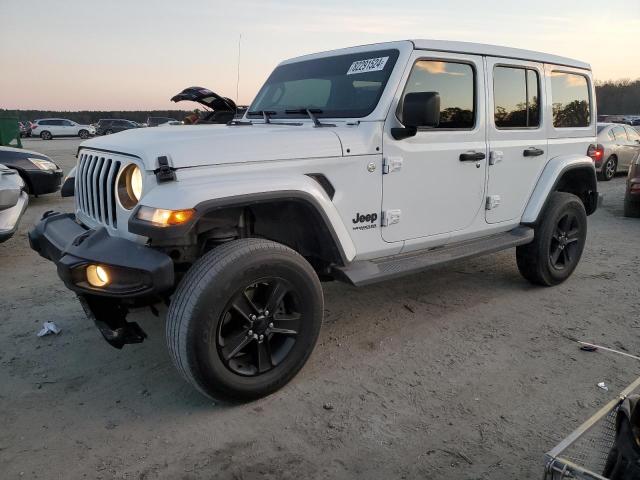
(205, 97)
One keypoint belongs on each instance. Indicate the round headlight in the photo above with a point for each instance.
(130, 186)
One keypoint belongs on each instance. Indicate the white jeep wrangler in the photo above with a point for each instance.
(362, 164)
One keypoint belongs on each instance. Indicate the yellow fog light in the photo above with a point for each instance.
(164, 218)
(97, 276)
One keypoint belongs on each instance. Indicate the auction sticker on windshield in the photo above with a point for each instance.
(368, 65)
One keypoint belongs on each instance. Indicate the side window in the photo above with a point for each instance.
(66, 123)
(619, 134)
(455, 82)
(57, 123)
(570, 100)
(516, 97)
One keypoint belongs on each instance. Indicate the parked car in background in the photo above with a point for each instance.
(40, 174)
(114, 125)
(618, 147)
(48, 128)
(632, 194)
(155, 121)
(13, 201)
(636, 122)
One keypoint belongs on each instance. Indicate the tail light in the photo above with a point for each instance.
(596, 152)
(34, 126)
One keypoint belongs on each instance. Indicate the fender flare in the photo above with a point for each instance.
(303, 189)
(548, 181)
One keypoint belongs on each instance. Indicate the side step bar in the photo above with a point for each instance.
(371, 271)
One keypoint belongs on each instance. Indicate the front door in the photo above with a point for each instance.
(435, 181)
(517, 138)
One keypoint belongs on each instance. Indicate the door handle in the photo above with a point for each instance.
(472, 156)
(533, 152)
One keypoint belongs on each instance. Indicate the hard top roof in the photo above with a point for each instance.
(459, 47)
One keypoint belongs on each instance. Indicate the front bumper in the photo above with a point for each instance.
(135, 271)
(44, 181)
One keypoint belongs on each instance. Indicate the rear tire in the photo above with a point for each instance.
(46, 135)
(609, 169)
(220, 333)
(558, 243)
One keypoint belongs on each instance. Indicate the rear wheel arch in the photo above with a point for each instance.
(579, 180)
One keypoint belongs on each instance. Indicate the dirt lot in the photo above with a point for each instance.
(465, 372)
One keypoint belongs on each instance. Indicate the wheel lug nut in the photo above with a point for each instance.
(253, 317)
(255, 335)
(266, 312)
(250, 332)
(261, 337)
(271, 325)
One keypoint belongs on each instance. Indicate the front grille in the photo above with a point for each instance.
(96, 187)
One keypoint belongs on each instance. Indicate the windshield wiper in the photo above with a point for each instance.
(311, 112)
(266, 114)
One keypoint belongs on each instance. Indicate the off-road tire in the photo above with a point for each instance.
(83, 134)
(609, 169)
(46, 135)
(200, 304)
(535, 260)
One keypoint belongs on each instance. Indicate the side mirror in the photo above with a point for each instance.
(419, 109)
(69, 185)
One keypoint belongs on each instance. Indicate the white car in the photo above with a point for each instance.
(48, 128)
(362, 165)
(13, 201)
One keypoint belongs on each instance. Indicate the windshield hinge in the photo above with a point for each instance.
(164, 172)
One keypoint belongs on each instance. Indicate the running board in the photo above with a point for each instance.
(371, 271)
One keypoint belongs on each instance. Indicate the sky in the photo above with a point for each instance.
(137, 54)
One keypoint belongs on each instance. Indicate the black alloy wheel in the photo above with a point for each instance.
(259, 326)
(564, 242)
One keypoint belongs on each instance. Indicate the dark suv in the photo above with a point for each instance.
(113, 125)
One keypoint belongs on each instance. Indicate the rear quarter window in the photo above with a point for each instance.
(571, 103)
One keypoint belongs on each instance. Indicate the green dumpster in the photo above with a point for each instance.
(9, 131)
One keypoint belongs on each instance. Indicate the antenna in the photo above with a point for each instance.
(238, 79)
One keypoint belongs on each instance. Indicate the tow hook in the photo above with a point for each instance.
(110, 317)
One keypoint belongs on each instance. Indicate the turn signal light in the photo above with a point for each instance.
(97, 276)
(164, 218)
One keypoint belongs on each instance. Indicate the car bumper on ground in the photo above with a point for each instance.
(10, 217)
(132, 270)
(44, 181)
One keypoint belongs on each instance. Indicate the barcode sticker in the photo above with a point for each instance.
(368, 65)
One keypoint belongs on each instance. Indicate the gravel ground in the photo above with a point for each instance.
(464, 372)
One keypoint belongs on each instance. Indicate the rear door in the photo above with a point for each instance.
(517, 138)
(623, 150)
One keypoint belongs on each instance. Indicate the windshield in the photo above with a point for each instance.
(343, 86)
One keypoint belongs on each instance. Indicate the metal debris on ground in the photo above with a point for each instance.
(603, 386)
(48, 328)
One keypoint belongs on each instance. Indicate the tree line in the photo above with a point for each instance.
(618, 97)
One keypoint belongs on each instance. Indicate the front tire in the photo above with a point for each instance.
(46, 135)
(558, 243)
(244, 319)
(83, 134)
